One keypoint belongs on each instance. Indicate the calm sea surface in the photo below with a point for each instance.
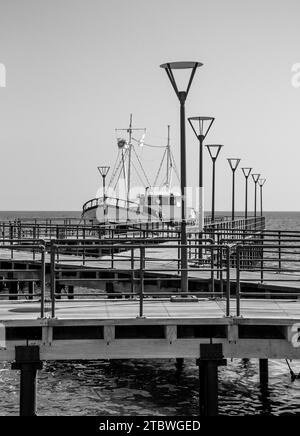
(151, 387)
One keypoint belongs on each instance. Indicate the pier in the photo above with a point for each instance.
(108, 293)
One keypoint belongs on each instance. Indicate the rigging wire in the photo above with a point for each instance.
(142, 168)
(147, 145)
(160, 167)
(120, 166)
(138, 174)
(174, 165)
(114, 169)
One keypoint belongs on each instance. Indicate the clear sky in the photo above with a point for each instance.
(76, 69)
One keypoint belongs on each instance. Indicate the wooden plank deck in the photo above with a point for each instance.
(158, 310)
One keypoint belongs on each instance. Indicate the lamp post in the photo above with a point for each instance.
(261, 183)
(201, 127)
(255, 178)
(182, 95)
(246, 172)
(103, 172)
(214, 151)
(233, 163)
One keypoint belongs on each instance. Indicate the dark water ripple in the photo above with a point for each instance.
(151, 387)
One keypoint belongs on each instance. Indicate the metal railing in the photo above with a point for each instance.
(275, 267)
(48, 229)
(137, 270)
(38, 269)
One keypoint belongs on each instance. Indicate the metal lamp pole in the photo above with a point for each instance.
(246, 172)
(103, 172)
(255, 178)
(233, 162)
(182, 95)
(261, 183)
(214, 151)
(201, 127)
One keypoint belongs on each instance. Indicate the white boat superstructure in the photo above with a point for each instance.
(121, 202)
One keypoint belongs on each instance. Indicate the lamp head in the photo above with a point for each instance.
(201, 125)
(246, 171)
(261, 182)
(234, 163)
(255, 177)
(170, 67)
(103, 170)
(214, 150)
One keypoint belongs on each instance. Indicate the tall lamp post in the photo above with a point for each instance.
(255, 178)
(182, 95)
(103, 172)
(201, 127)
(246, 172)
(261, 183)
(214, 151)
(233, 163)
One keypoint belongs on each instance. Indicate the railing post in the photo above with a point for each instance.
(227, 281)
(238, 284)
(43, 282)
(142, 268)
(262, 261)
(279, 250)
(52, 279)
(132, 271)
(212, 269)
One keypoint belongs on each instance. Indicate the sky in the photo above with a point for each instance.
(76, 69)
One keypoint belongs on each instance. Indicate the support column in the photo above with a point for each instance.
(30, 290)
(179, 364)
(211, 356)
(27, 360)
(263, 373)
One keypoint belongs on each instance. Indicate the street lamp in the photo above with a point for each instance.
(182, 95)
(201, 127)
(261, 183)
(214, 151)
(233, 162)
(246, 172)
(103, 172)
(255, 178)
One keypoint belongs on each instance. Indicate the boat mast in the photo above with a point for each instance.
(169, 161)
(129, 158)
(128, 153)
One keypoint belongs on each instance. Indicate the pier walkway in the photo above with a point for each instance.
(124, 299)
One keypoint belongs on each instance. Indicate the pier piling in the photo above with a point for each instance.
(179, 364)
(27, 360)
(211, 356)
(263, 373)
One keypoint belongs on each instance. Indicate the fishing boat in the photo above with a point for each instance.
(121, 202)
